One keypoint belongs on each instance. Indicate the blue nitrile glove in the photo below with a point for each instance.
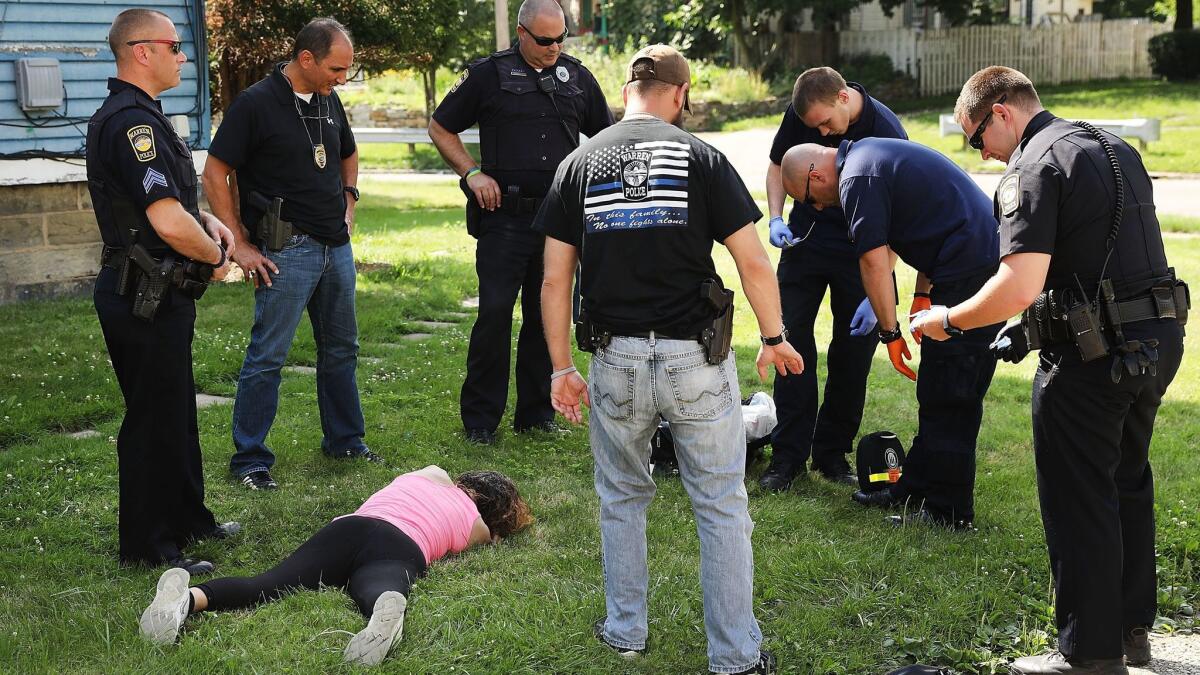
(864, 319)
(781, 235)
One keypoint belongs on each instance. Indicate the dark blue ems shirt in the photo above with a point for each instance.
(915, 200)
(270, 144)
(643, 201)
(829, 226)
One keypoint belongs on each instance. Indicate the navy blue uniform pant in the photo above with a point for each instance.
(827, 433)
(1091, 440)
(952, 380)
(161, 503)
(508, 260)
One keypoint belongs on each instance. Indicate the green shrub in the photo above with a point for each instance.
(879, 76)
(1176, 55)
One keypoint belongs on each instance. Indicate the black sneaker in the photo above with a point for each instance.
(192, 565)
(623, 652)
(360, 453)
(221, 531)
(778, 477)
(481, 436)
(766, 665)
(260, 480)
(925, 517)
(545, 426)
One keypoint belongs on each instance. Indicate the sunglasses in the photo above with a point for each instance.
(808, 186)
(545, 41)
(976, 139)
(175, 45)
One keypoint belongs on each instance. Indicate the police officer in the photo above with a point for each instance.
(1080, 243)
(159, 252)
(531, 102)
(904, 199)
(817, 254)
(641, 205)
(288, 139)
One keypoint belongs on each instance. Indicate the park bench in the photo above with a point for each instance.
(1144, 129)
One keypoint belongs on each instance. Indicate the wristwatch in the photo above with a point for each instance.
(950, 330)
(772, 341)
(353, 192)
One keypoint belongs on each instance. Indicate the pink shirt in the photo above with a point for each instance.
(436, 516)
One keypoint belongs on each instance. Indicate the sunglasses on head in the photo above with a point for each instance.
(976, 139)
(175, 45)
(545, 41)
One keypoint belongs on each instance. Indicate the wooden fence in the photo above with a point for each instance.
(943, 59)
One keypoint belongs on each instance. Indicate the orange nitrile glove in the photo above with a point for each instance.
(898, 352)
(920, 303)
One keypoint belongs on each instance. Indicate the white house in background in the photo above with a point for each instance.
(913, 14)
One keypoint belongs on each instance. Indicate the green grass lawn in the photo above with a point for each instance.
(1177, 105)
(837, 591)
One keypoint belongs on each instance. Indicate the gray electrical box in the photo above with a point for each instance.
(39, 84)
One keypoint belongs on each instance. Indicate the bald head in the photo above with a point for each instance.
(532, 9)
(134, 24)
(810, 174)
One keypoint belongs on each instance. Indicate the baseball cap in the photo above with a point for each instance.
(663, 63)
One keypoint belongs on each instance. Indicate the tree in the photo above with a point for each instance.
(455, 43)
(247, 38)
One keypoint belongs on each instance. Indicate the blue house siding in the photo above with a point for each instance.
(76, 33)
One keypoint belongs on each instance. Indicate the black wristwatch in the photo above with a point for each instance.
(886, 336)
(950, 330)
(772, 341)
(353, 191)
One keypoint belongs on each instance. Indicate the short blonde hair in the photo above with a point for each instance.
(987, 86)
(816, 85)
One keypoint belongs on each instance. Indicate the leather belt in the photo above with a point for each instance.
(658, 335)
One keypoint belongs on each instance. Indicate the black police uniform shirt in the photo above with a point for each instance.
(644, 201)
(267, 136)
(522, 139)
(1057, 197)
(137, 152)
(918, 202)
(828, 226)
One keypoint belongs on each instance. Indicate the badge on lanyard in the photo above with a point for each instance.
(319, 155)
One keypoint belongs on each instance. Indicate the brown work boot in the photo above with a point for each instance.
(1055, 663)
(1137, 647)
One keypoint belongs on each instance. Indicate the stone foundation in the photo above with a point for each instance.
(49, 242)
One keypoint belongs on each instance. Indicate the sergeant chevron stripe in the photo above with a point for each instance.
(153, 178)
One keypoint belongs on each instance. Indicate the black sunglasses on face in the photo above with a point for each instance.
(976, 139)
(545, 41)
(808, 186)
(175, 45)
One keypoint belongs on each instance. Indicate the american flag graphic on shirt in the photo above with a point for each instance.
(631, 187)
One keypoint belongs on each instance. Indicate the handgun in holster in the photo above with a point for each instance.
(718, 336)
(474, 212)
(588, 336)
(152, 283)
(273, 231)
(125, 271)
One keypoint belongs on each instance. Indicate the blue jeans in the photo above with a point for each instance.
(632, 382)
(320, 278)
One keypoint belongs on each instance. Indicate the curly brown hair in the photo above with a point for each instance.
(499, 503)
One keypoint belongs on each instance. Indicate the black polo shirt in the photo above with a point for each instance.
(268, 135)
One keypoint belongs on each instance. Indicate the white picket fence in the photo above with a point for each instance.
(943, 59)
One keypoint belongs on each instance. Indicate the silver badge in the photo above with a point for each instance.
(562, 74)
(1009, 194)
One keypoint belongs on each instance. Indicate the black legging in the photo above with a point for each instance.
(365, 556)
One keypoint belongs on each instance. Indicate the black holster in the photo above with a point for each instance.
(474, 212)
(152, 287)
(588, 336)
(273, 231)
(717, 336)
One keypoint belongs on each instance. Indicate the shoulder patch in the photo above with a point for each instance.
(457, 83)
(141, 138)
(1008, 194)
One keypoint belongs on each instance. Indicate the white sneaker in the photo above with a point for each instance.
(371, 644)
(165, 615)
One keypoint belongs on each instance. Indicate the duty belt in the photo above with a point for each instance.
(519, 206)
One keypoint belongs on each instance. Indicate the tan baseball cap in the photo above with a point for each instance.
(663, 63)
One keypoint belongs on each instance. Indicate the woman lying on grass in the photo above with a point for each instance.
(375, 554)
